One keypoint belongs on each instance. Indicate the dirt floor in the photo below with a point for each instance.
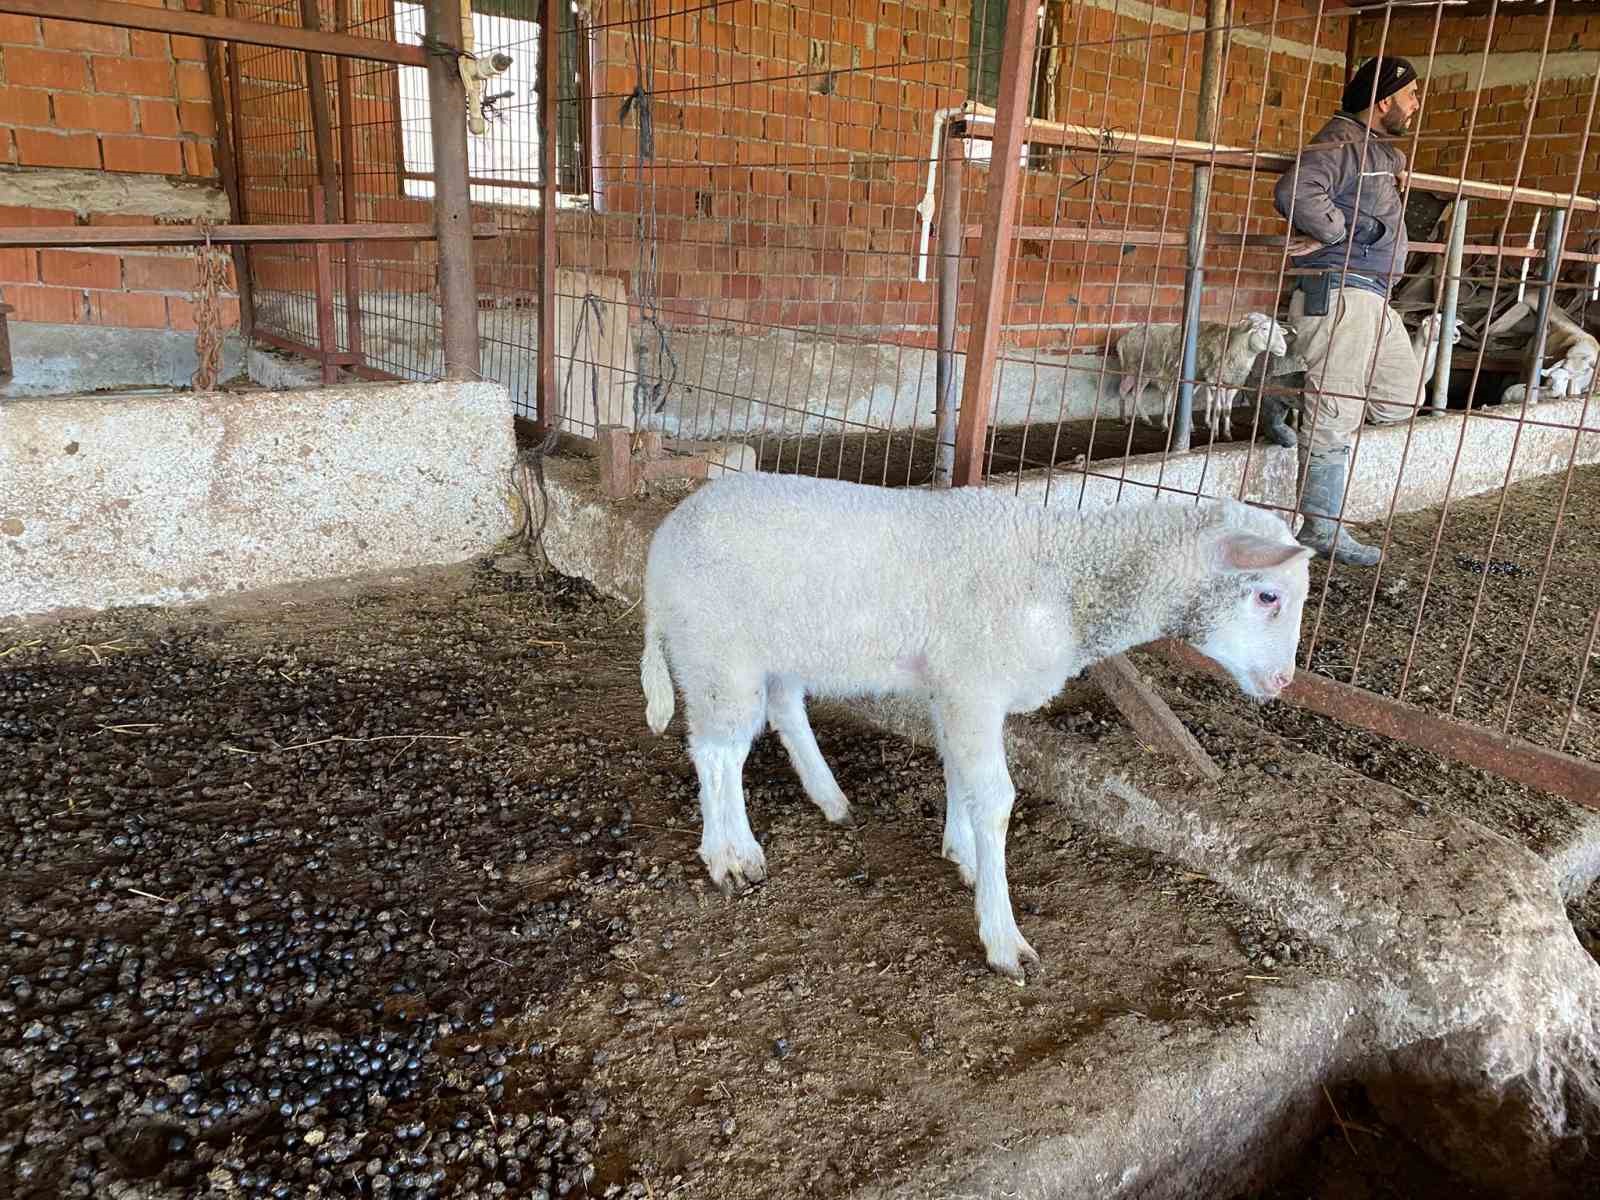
(1385, 604)
(906, 457)
(391, 893)
(387, 891)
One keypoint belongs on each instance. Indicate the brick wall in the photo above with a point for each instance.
(1497, 113)
(791, 154)
(791, 145)
(791, 202)
(100, 99)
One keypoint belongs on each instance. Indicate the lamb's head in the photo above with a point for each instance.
(1433, 323)
(1581, 357)
(1558, 380)
(1266, 334)
(1246, 612)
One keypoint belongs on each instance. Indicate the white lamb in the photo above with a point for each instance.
(1223, 361)
(761, 590)
(1573, 373)
(1425, 345)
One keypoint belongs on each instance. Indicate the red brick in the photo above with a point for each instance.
(189, 48)
(80, 268)
(180, 313)
(94, 114)
(36, 148)
(53, 69)
(151, 45)
(197, 118)
(19, 266)
(148, 155)
(129, 310)
(60, 306)
(193, 82)
(18, 31)
(158, 118)
(77, 35)
(119, 219)
(159, 273)
(25, 106)
(199, 160)
(35, 217)
(133, 76)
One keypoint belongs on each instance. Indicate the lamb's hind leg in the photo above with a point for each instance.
(719, 741)
(971, 739)
(958, 845)
(786, 712)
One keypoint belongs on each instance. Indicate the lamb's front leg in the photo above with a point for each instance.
(972, 737)
(958, 847)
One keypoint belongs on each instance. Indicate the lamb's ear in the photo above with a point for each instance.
(1248, 552)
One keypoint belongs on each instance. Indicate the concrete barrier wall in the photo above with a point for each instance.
(167, 498)
(1548, 439)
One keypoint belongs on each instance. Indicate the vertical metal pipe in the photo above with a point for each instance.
(1554, 235)
(5, 343)
(452, 208)
(1350, 25)
(228, 168)
(317, 94)
(347, 186)
(953, 170)
(1447, 306)
(1210, 99)
(994, 256)
(322, 258)
(547, 398)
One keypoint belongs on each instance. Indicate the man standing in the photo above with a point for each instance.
(1342, 199)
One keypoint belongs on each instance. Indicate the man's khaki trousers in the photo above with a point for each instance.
(1359, 362)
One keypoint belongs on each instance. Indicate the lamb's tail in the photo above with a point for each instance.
(657, 680)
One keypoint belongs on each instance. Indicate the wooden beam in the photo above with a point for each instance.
(1487, 749)
(978, 123)
(196, 235)
(1150, 715)
(226, 29)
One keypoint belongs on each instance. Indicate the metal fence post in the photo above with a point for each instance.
(953, 170)
(1447, 306)
(994, 259)
(1554, 235)
(1205, 128)
(452, 209)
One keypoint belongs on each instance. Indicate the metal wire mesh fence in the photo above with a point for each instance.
(776, 235)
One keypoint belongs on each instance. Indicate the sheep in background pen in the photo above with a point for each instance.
(1223, 360)
(1425, 345)
(1573, 373)
(761, 590)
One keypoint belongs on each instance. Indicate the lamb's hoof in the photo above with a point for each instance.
(836, 808)
(1017, 963)
(964, 868)
(733, 869)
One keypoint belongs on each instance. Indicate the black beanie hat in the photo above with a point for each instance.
(1389, 73)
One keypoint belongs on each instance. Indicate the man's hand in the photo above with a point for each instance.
(1401, 178)
(1302, 245)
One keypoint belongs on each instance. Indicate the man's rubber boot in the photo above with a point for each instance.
(1321, 500)
(1273, 426)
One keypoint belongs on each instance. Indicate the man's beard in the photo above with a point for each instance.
(1395, 122)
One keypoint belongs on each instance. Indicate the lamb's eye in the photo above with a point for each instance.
(1267, 597)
